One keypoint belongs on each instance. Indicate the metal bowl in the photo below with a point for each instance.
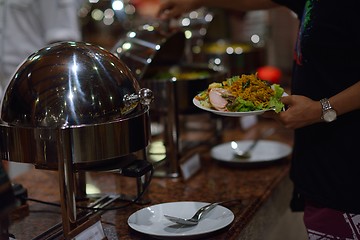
(73, 100)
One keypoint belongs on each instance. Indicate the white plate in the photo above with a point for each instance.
(232, 114)
(151, 220)
(228, 114)
(264, 151)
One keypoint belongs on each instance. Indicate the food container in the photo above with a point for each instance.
(73, 107)
(77, 90)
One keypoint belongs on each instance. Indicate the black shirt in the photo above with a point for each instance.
(326, 156)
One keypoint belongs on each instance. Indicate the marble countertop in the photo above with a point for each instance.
(214, 182)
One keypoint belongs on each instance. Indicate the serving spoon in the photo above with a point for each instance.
(199, 214)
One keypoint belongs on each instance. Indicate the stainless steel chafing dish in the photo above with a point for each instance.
(78, 90)
(71, 107)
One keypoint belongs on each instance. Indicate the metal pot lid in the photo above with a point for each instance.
(149, 46)
(70, 84)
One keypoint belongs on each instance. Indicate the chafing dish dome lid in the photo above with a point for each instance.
(150, 46)
(69, 84)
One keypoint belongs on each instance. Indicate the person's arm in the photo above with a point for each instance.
(347, 100)
(303, 111)
(175, 8)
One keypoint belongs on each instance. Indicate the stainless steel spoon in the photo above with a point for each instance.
(245, 154)
(194, 220)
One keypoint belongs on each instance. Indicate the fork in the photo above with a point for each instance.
(194, 220)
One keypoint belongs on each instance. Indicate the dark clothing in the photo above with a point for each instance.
(326, 156)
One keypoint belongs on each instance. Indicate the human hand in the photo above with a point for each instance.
(175, 8)
(301, 111)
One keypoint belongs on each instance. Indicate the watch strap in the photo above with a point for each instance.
(325, 104)
(328, 113)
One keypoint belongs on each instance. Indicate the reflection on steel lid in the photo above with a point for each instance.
(69, 84)
(149, 47)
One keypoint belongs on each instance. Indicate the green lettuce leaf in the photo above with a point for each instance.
(275, 102)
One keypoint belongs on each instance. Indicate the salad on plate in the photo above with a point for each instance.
(245, 93)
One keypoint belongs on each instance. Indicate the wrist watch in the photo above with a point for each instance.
(328, 113)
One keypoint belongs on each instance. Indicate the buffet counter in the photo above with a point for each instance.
(264, 192)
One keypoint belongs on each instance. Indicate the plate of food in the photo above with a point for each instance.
(241, 96)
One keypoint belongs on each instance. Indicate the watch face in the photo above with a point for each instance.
(329, 115)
